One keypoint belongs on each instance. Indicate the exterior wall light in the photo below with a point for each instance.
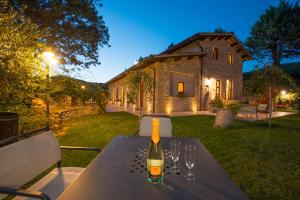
(208, 82)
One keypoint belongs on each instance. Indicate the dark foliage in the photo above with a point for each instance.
(276, 35)
(76, 28)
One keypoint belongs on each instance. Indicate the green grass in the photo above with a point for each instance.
(93, 131)
(264, 162)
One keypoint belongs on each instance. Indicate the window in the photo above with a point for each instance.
(180, 88)
(215, 53)
(230, 59)
(218, 89)
(230, 90)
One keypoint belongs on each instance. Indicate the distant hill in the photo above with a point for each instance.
(293, 69)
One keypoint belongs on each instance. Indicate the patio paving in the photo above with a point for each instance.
(261, 116)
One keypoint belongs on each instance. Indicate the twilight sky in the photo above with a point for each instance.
(140, 27)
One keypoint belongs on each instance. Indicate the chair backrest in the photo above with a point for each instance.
(262, 107)
(24, 160)
(247, 109)
(165, 126)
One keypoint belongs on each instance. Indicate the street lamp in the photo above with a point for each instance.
(49, 60)
(283, 92)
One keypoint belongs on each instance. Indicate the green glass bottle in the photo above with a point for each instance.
(155, 156)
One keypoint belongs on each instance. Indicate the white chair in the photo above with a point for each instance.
(26, 159)
(165, 125)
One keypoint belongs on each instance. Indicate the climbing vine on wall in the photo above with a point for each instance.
(134, 80)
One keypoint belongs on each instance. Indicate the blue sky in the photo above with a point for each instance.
(142, 27)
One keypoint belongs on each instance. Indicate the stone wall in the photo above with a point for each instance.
(117, 92)
(218, 69)
(171, 71)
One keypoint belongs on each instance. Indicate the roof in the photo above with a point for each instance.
(169, 53)
(157, 58)
(212, 36)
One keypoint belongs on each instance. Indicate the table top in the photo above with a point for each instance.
(119, 172)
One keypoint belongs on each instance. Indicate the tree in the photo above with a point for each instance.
(21, 74)
(276, 35)
(171, 45)
(221, 30)
(101, 100)
(62, 86)
(264, 77)
(76, 28)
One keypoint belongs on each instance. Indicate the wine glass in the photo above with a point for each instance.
(190, 154)
(175, 153)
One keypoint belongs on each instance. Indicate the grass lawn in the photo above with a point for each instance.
(264, 162)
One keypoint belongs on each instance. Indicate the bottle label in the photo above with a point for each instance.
(155, 171)
(155, 167)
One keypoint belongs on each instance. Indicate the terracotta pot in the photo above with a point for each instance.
(224, 118)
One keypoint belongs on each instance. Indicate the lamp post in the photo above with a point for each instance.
(49, 60)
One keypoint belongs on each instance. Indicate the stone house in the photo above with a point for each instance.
(189, 75)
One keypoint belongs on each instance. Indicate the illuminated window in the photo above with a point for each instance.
(180, 88)
(215, 53)
(218, 89)
(230, 59)
(230, 90)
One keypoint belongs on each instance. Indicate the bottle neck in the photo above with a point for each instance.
(155, 134)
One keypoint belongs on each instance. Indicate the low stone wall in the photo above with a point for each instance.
(62, 115)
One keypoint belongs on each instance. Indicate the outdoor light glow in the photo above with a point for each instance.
(48, 55)
(135, 62)
(83, 87)
(53, 61)
(208, 81)
(283, 92)
(169, 110)
(194, 107)
(149, 107)
(50, 58)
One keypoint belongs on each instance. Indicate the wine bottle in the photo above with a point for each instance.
(155, 156)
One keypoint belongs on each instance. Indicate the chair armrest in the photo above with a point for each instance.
(24, 193)
(81, 148)
(136, 133)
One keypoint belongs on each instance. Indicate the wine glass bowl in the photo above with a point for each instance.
(190, 155)
(175, 153)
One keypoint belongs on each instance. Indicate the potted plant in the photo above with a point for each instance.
(225, 113)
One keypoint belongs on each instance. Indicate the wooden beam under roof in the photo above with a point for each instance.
(212, 37)
(220, 37)
(180, 55)
(202, 38)
(238, 50)
(178, 58)
(234, 44)
(227, 37)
